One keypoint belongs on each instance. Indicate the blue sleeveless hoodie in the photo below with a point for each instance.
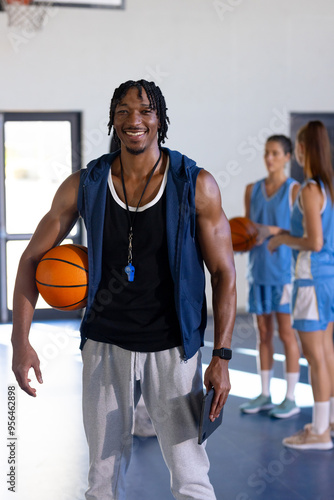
(185, 258)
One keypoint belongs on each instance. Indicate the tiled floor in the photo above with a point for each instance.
(248, 461)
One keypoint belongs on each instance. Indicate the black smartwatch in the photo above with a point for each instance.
(223, 353)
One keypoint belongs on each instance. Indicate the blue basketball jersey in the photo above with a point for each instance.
(265, 268)
(308, 264)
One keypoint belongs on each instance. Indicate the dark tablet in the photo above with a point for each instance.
(206, 427)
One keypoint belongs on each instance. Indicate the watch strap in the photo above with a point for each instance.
(223, 353)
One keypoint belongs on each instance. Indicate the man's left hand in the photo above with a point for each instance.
(217, 376)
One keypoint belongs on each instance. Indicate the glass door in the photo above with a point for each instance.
(38, 151)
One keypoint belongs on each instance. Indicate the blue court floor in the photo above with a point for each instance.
(248, 461)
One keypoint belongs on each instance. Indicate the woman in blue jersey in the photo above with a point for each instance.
(269, 202)
(312, 241)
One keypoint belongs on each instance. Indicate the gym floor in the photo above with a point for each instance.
(248, 461)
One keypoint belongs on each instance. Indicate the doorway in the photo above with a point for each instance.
(37, 152)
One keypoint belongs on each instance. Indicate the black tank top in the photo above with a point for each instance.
(139, 315)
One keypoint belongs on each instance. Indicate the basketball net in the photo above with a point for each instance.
(24, 15)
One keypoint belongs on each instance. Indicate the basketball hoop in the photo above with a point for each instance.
(23, 14)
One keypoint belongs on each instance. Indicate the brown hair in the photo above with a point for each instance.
(284, 141)
(318, 161)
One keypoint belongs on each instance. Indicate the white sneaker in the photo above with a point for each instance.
(285, 410)
(306, 439)
(258, 404)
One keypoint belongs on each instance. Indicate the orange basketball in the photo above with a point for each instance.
(62, 277)
(244, 233)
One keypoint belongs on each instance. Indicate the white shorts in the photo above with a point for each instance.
(312, 304)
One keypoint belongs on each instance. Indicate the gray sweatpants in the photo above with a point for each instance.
(113, 380)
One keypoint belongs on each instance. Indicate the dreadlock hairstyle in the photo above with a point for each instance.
(284, 141)
(318, 161)
(156, 100)
(114, 146)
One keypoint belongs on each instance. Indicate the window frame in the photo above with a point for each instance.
(75, 119)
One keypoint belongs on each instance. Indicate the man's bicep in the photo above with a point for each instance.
(56, 223)
(213, 228)
(49, 232)
(214, 237)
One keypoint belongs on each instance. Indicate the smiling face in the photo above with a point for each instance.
(136, 122)
(274, 156)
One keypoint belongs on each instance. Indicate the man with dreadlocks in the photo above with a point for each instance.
(152, 217)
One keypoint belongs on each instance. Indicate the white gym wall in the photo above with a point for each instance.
(231, 72)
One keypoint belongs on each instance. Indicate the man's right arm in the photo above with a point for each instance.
(51, 230)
